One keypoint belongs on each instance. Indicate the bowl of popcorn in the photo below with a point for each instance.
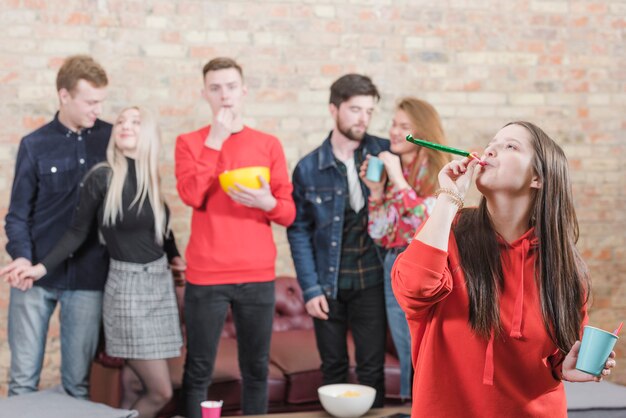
(345, 400)
(246, 176)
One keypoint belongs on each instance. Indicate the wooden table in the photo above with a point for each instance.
(377, 412)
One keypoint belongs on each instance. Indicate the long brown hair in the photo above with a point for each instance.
(560, 272)
(427, 124)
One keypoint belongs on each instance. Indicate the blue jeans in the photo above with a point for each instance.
(399, 327)
(252, 306)
(29, 316)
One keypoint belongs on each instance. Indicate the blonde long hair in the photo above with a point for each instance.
(427, 123)
(148, 180)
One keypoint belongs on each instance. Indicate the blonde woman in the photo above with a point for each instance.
(401, 202)
(141, 321)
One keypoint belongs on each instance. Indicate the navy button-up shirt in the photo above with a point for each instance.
(51, 163)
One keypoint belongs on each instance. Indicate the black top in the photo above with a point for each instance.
(50, 165)
(131, 239)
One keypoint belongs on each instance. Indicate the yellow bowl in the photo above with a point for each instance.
(246, 176)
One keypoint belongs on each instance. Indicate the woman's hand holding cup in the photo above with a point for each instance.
(393, 168)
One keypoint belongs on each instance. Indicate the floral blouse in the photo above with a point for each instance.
(394, 219)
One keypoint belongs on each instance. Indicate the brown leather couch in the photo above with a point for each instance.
(294, 370)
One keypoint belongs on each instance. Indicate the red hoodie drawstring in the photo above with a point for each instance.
(488, 372)
(516, 326)
(518, 316)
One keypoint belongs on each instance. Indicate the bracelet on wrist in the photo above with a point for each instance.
(456, 198)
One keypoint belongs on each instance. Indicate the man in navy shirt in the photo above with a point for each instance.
(51, 163)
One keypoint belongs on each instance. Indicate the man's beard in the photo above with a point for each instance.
(350, 132)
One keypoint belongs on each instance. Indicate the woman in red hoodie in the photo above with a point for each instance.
(495, 296)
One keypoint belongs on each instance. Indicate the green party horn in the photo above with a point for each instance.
(442, 148)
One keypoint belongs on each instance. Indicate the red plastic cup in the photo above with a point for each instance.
(211, 409)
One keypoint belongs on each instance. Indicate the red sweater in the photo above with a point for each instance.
(230, 243)
(458, 374)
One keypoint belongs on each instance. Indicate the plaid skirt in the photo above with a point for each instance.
(140, 311)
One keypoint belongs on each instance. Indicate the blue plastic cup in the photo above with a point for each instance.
(595, 349)
(374, 169)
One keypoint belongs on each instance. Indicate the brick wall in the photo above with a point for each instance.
(482, 63)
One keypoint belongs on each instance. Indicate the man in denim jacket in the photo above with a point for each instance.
(50, 165)
(338, 266)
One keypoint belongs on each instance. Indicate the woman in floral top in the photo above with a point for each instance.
(400, 203)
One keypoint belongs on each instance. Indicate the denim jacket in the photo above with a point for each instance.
(315, 237)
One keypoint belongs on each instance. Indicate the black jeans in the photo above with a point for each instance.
(206, 307)
(363, 311)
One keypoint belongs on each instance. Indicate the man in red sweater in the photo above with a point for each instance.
(231, 251)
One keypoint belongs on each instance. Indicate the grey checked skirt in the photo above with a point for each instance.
(140, 312)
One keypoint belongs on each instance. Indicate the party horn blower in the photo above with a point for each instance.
(443, 148)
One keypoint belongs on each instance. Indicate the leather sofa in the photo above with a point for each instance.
(294, 370)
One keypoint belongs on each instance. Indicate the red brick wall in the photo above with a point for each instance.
(482, 63)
